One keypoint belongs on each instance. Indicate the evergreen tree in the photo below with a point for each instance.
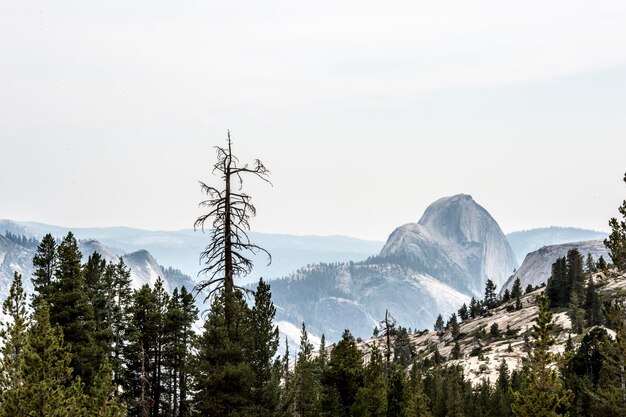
(542, 392)
(463, 312)
(13, 339)
(590, 264)
(416, 402)
(491, 300)
(516, 291)
(529, 289)
(616, 242)
(507, 296)
(48, 388)
(102, 400)
(455, 353)
(395, 392)
(402, 349)
(71, 310)
(500, 400)
(453, 326)
(593, 309)
(610, 394)
(222, 375)
(44, 265)
(601, 265)
(343, 377)
(264, 344)
(439, 325)
(306, 387)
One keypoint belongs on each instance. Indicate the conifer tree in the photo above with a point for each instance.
(306, 388)
(48, 388)
(415, 402)
(102, 400)
(402, 349)
(71, 310)
(44, 265)
(516, 291)
(490, 294)
(439, 325)
(343, 377)
(542, 392)
(616, 242)
(13, 338)
(222, 375)
(592, 306)
(264, 344)
(371, 398)
(463, 312)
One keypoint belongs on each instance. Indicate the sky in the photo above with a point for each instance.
(365, 112)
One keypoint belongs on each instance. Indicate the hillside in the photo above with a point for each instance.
(536, 268)
(481, 353)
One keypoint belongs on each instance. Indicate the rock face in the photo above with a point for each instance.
(425, 269)
(525, 241)
(458, 242)
(537, 266)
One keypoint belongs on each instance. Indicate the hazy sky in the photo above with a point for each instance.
(365, 112)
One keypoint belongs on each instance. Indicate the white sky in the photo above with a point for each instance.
(365, 112)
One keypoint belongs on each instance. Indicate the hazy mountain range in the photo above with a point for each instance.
(331, 282)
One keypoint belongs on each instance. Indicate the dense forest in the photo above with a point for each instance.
(86, 344)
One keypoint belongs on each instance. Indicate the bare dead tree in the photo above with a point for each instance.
(387, 328)
(230, 209)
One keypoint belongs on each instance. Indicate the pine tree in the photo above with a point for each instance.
(416, 402)
(455, 353)
(490, 294)
(463, 312)
(593, 309)
(264, 344)
(102, 400)
(44, 265)
(222, 375)
(542, 392)
(13, 338)
(507, 296)
(48, 388)
(616, 242)
(343, 377)
(516, 291)
(402, 349)
(500, 400)
(590, 264)
(439, 325)
(71, 310)
(306, 388)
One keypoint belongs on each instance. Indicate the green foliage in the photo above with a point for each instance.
(342, 378)
(402, 350)
(616, 242)
(47, 387)
(70, 308)
(516, 291)
(463, 312)
(439, 325)
(371, 398)
(542, 392)
(491, 299)
(222, 376)
(13, 339)
(306, 387)
(44, 265)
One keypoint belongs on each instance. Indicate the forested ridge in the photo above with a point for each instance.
(85, 344)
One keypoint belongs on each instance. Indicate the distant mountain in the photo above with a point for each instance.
(537, 265)
(526, 241)
(425, 269)
(181, 249)
(457, 241)
(144, 268)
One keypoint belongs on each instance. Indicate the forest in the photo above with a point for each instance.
(86, 344)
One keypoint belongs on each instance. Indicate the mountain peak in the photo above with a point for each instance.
(457, 241)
